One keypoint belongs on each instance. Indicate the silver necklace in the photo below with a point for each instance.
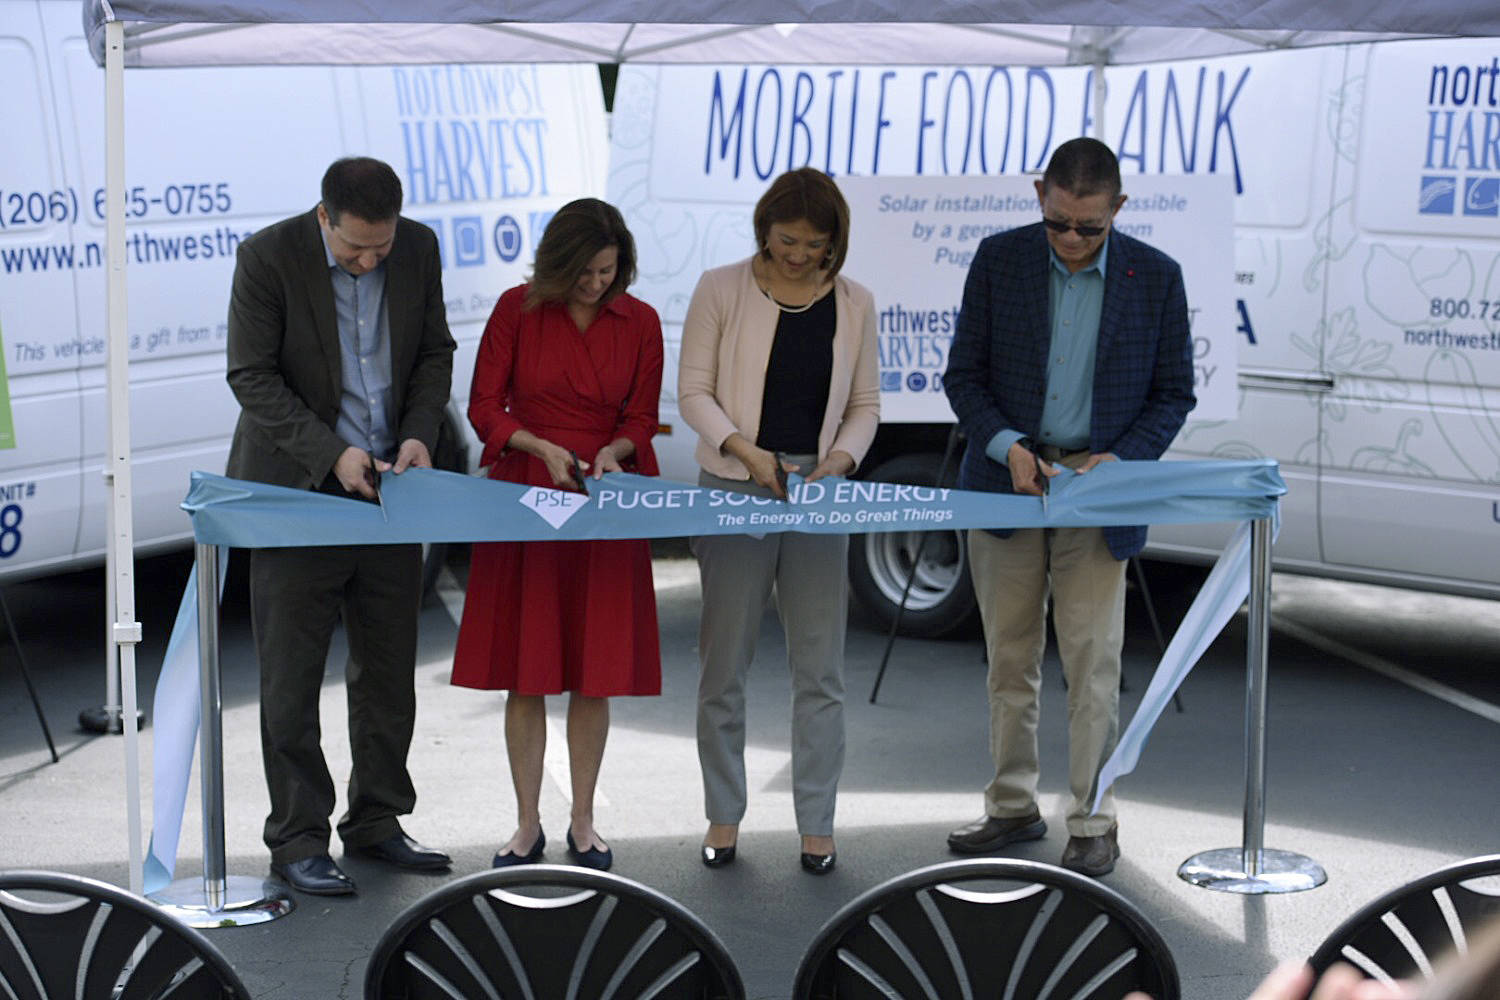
(791, 309)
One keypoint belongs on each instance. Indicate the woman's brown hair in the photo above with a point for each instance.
(578, 231)
(806, 193)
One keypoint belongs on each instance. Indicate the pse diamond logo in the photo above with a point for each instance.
(890, 381)
(553, 506)
(1482, 196)
(1437, 195)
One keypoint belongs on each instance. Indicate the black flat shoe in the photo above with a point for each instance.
(531, 857)
(717, 857)
(591, 858)
(403, 852)
(317, 876)
(818, 864)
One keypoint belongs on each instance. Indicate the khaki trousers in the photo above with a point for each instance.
(1013, 579)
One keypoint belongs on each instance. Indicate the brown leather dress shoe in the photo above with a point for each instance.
(1093, 856)
(989, 833)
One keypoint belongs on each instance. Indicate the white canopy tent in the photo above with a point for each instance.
(158, 33)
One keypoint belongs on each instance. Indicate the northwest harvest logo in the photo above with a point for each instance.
(1461, 141)
(553, 506)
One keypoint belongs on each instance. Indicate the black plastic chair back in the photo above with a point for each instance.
(69, 936)
(991, 928)
(1403, 933)
(549, 932)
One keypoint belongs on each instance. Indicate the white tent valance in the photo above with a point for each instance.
(1452, 17)
(1011, 32)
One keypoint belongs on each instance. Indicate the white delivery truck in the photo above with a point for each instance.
(485, 153)
(1366, 270)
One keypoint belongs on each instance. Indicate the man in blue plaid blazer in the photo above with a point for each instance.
(1072, 347)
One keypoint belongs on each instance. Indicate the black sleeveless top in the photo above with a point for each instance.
(797, 377)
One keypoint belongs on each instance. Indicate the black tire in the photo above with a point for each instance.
(941, 599)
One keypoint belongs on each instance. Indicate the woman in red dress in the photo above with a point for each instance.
(569, 365)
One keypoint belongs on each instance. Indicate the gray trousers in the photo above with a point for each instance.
(809, 576)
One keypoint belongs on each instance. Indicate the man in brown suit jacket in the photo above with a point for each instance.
(340, 357)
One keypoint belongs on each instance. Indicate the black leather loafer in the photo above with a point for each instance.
(403, 852)
(818, 864)
(531, 857)
(717, 857)
(317, 875)
(591, 858)
(990, 833)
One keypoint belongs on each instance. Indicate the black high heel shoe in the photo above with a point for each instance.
(531, 857)
(717, 857)
(819, 864)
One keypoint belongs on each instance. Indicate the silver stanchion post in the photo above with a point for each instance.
(218, 899)
(1253, 868)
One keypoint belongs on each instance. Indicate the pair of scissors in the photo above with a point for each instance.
(372, 479)
(780, 473)
(578, 476)
(1042, 481)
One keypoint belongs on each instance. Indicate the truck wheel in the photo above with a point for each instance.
(941, 599)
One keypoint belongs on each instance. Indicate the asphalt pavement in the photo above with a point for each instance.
(1377, 780)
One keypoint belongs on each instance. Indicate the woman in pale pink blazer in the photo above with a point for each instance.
(778, 373)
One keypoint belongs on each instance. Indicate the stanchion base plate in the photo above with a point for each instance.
(102, 719)
(1223, 870)
(246, 901)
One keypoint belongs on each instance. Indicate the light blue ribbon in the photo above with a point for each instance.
(422, 505)
(1221, 595)
(175, 730)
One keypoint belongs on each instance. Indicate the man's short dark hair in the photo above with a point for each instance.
(1082, 167)
(364, 187)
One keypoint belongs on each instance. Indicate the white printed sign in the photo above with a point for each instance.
(917, 237)
(693, 147)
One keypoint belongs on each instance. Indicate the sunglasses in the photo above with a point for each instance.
(1087, 232)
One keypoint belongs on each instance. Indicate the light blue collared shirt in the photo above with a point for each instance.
(1077, 299)
(365, 358)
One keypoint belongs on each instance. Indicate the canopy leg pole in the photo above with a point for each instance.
(1253, 868)
(1101, 91)
(217, 899)
(125, 631)
(109, 717)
